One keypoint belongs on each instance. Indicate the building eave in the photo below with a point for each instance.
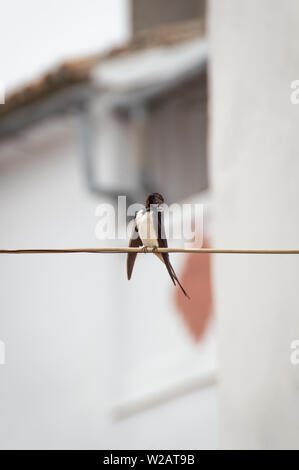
(143, 68)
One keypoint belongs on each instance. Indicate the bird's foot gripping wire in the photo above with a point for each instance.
(149, 249)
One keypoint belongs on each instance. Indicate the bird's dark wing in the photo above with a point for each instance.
(135, 241)
(162, 240)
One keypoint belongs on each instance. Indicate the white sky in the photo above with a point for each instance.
(37, 34)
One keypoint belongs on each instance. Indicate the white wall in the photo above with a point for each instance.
(77, 340)
(254, 173)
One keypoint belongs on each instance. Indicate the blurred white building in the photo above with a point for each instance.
(254, 177)
(92, 360)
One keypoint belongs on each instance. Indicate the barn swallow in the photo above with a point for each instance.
(148, 231)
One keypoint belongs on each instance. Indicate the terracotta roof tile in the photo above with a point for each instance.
(78, 71)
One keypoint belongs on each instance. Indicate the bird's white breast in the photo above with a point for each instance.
(146, 228)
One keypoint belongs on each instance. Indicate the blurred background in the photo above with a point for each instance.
(190, 98)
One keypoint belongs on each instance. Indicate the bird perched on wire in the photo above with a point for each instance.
(148, 231)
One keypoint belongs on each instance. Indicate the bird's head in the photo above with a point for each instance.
(154, 199)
